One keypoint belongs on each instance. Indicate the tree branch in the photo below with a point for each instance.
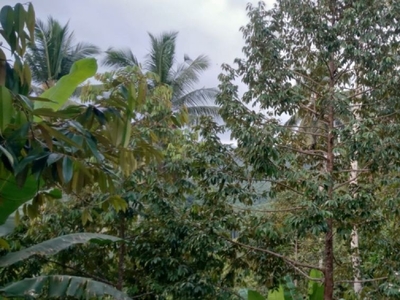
(361, 281)
(286, 259)
(309, 152)
(269, 210)
(81, 272)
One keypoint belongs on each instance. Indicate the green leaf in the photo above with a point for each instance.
(7, 154)
(254, 295)
(67, 169)
(65, 87)
(277, 295)
(316, 289)
(53, 246)
(19, 19)
(7, 19)
(6, 108)
(4, 244)
(58, 286)
(53, 157)
(12, 196)
(69, 112)
(54, 193)
(93, 148)
(58, 135)
(30, 21)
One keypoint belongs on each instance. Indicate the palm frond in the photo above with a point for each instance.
(52, 53)
(187, 74)
(81, 50)
(119, 58)
(203, 96)
(82, 91)
(162, 55)
(197, 111)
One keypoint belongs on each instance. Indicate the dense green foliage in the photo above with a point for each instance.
(124, 197)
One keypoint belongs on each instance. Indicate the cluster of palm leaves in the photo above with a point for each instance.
(53, 52)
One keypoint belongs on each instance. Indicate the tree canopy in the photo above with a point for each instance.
(123, 197)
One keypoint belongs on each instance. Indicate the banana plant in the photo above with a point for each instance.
(55, 286)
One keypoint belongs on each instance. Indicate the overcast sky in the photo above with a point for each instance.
(209, 27)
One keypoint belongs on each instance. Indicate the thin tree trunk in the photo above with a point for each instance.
(329, 267)
(355, 256)
(329, 257)
(356, 260)
(122, 250)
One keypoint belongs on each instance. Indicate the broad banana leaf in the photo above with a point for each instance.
(53, 246)
(65, 87)
(8, 225)
(59, 286)
(315, 289)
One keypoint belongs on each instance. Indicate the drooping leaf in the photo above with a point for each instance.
(12, 196)
(30, 21)
(54, 193)
(93, 148)
(68, 169)
(7, 154)
(58, 286)
(58, 135)
(6, 108)
(3, 68)
(53, 246)
(19, 20)
(65, 87)
(7, 19)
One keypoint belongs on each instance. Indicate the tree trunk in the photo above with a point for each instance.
(121, 258)
(355, 256)
(329, 267)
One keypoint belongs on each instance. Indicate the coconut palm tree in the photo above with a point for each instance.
(182, 77)
(53, 52)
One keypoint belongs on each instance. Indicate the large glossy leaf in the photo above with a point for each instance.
(67, 169)
(53, 246)
(65, 87)
(58, 286)
(12, 196)
(7, 19)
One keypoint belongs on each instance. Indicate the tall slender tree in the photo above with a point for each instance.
(355, 43)
(182, 77)
(53, 52)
